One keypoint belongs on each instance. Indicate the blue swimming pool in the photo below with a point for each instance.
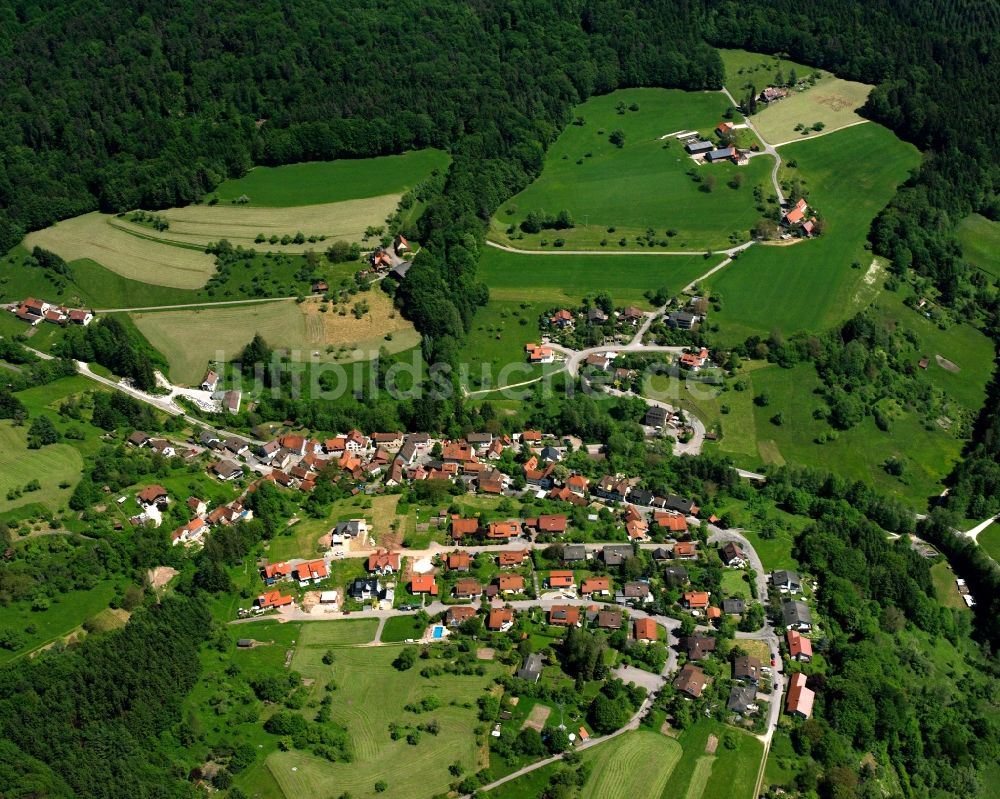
(439, 631)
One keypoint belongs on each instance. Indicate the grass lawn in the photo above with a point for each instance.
(343, 632)
(373, 694)
(65, 614)
(989, 540)
(728, 774)
(858, 453)
(849, 175)
(782, 761)
(399, 628)
(494, 349)
(642, 184)
(52, 466)
(980, 238)
(734, 585)
(333, 181)
(568, 278)
(194, 338)
(945, 588)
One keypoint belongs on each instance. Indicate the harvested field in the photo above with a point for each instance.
(240, 224)
(537, 717)
(191, 339)
(93, 236)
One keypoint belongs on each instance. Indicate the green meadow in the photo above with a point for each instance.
(317, 182)
(568, 278)
(812, 285)
(641, 185)
(744, 68)
(980, 238)
(989, 540)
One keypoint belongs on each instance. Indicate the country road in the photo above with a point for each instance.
(207, 304)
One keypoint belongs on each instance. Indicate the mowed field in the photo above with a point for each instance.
(641, 185)
(371, 695)
(980, 238)
(568, 278)
(316, 182)
(192, 338)
(989, 540)
(199, 225)
(832, 101)
(850, 176)
(94, 236)
(636, 765)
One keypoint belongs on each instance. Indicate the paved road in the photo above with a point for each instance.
(975, 531)
(768, 150)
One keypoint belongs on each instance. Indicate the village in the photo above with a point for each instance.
(605, 554)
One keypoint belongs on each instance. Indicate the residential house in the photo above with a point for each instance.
(800, 699)
(694, 361)
(79, 316)
(209, 439)
(390, 441)
(554, 523)
(695, 600)
(197, 506)
(501, 530)
(311, 571)
(383, 562)
(550, 454)
(734, 607)
(511, 559)
(600, 361)
(732, 555)
(640, 496)
(232, 400)
(786, 581)
(645, 630)
(680, 505)
(460, 528)
(273, 599)
(574, 553)
(578, 484)
(634, 593)
(742, 699)
(797, 616)
(537, 354)
(192, 531)
(423, 584)
(459, 561)
(560, 579)
(637, 529)
(153, 496)
(274, 572)
(355, 442)
(800, 648)
(616, 554)
(609, 619)
(699, 647)
(467, 588)
(564, 615)
(633, 315)
(138, 439)
(691, 681)
(596, 316)
(364, 589)
(510, 583)
(599, 586)
(500, 620)
(613, 488)
(562, 318)
(320, 287)
(532, 668)
(656, 416)
(747, 669)
(210, 381)
(675, 576)
(459, 613)
(681, 320)
(481, 441)
(458, 452)
(352, 528)
(674, 523)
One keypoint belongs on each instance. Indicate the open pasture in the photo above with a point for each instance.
(94, 236)
(727, 774)
(192, 338)
(744, 68)
(568, 278)
(980, 238)
(199, 225)
(51, 466)
(371, 695)
(635, 766)
(315, 182)
(849, 177)
(641, 185)
(834, 102)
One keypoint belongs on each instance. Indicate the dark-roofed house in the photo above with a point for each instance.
(459, 613)
(681, 320)
(699, 647)
(573, 553)
(138, 438)
(609, 619)
(734, 607)
(722, 154)
(616, 554)
(679, 504)
(785, 580)
(732, 555)
(747, 669)
(797, 616)
(532, 668)
(634, 593)
(676, 576)
(699, 147)
(655, 416)
(742, 699)
(691, 681)
(640, 496)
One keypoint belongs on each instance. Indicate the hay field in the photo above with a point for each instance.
(93, 236)
(636, 766)
(832, 101)
(192, 338)
(199, 225)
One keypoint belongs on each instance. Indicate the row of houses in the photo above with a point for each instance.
(33, 311)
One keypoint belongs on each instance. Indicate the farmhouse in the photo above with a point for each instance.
(691, 681)
(722, 154)
(724, 128)
(772, 93)
(796, 214)
(697, 147)
(645, 630)
(800, 698)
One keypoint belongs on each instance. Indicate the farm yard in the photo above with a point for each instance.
(615, 193)
(94, 236)
(831, 101)
(192, 338)
(317, 182)
(849, 176)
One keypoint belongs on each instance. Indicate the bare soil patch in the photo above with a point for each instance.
(485, 653)
(711, 745)
(160, 576)
(950, 366)
(537, 717)
(667, 730)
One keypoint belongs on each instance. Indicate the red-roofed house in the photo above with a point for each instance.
(562, 318)
(694, 361)
(311, 571)
(273, 599)
(596, 585)
(560, 579)
(799, 647)
(500, 620)
(724, 128)
(273, 572)
(645, 630)
(510, 559)
(383, 562)
(510, 583)
(673, 522)
(423, 584)
(504, 530)
(797, 213)
(685, 550)
(800, 698)
(459, 561)
(564, 615)
(696, 600)
(538, 354)
(462, 527)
